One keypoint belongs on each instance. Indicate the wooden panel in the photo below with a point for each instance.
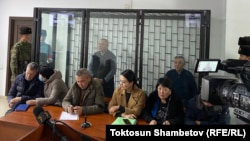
(34, 135)
(12, 131)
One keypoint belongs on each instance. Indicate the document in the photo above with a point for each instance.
(67, 116)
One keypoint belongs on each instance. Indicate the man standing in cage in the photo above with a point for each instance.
(183, 80)
(103, 66)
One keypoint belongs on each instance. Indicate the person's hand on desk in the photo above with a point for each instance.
(70, 109)
(166, 122)
(153, 122)
(197, 122)
(78, 110)
(113, 109)
(31, 102)
(14, 101)
(128, 115)
(75, 110)
(11, 103)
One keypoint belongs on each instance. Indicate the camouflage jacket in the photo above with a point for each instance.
(20, 57)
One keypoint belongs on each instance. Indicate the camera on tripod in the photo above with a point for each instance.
(224, 90)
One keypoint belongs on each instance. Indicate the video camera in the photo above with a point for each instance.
(224, 90)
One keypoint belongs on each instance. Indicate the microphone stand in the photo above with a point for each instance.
(85, 124)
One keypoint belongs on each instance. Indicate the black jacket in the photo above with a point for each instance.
(26, 90)
(175, 109)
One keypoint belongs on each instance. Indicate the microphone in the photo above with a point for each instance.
(233, 66)
(85, 124)
(235, 62)
(43, 117)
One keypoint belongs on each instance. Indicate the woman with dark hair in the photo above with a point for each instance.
(163, 106)
(128, 99)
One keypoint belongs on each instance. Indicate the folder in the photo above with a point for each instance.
(22, 107)
(124, 121)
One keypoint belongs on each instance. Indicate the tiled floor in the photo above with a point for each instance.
(4, 105)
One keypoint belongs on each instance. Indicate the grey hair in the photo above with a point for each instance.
(105, 40)
(33, 66)
(180, 57)
(83, 72)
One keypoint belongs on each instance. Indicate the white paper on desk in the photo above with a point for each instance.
(67, 116)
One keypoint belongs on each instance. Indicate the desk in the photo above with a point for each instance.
(97, 131)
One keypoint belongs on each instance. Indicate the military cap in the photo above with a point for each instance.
(244, 43)
(43, 32)
(25, 30)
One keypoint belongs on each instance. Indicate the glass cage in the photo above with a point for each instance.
(145, 41)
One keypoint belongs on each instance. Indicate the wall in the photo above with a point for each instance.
(17, 8)
(237, 25)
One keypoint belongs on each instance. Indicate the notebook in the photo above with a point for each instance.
(124, 121)
(22, 107)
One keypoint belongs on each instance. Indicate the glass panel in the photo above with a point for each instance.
(165, 36)
(62, 47)
(120, 31)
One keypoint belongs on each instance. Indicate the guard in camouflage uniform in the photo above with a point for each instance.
(20, 53)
